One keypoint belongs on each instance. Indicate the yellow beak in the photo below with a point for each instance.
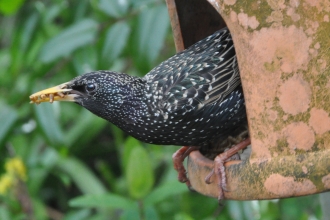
(56, 93)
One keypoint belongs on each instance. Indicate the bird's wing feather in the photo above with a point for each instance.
(201, 75)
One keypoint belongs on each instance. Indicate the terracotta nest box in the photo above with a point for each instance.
(284, 57)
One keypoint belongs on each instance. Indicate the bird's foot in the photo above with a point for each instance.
(178, 158)
(219, 168)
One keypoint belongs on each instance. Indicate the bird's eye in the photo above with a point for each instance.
(90, 87)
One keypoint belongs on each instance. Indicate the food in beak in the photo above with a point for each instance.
(56, 93)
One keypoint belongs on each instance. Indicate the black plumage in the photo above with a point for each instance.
(190, 99)
(194, 98)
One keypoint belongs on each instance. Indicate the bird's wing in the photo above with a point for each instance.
(201, 75)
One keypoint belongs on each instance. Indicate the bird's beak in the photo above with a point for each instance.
(56, 93)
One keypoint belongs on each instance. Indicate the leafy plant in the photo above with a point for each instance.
(74, 165)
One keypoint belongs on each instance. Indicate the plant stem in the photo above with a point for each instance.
(141, 209)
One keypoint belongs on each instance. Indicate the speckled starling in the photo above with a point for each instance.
(194, 98)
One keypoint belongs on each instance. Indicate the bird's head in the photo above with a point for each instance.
(101, 92)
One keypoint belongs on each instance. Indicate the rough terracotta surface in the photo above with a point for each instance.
(326, 181)
(319, 120)
(245, 20)
(294, 95)
(304, 169)
(286, 186)
(283, 61)
(299, 136)
(283, 54)
(279, 177)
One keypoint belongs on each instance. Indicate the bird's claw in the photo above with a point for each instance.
(219, 168)
(178, 158)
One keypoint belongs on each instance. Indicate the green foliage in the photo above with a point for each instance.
(8, 117)
(108, 200)
(10, 6)
(45, 115)
(78, 166)
(115, 41)
(139, 173)
(67, 41)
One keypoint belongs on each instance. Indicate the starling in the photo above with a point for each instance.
(194, 99)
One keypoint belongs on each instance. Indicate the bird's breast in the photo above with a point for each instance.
(185, 126)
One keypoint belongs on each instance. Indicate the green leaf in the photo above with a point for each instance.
(129, 145)
(8, 117)
(45, 114)
(10, 6)
(118, 135)
(79, 214)
(235, 209)
(249, 211)
(182, 216)
(139, 173)
(70, 39)
(130, 214)
(153, 24)
(114, 8)
(28, 30)
(108, 200)
(83, 177)
(80, 132)
(150, 213)
(164, 191)
(50, 13)
(85, 59)
(41, 163)
(115, 41)
(4, 212)
(39, 209)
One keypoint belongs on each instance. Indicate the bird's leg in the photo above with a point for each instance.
(178, 158)
(219, 168)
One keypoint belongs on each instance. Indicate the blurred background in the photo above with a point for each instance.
(58, 161)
